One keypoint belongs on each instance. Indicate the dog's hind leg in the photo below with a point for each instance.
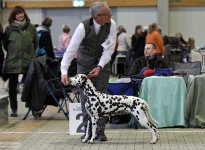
(144, 121)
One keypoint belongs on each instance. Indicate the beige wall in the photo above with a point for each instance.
(189, 20)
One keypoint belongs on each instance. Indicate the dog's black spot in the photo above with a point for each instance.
(99, 109)
(97, 104)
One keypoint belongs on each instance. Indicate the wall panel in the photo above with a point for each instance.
(190, 21)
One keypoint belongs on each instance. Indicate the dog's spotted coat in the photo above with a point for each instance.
(100, 104)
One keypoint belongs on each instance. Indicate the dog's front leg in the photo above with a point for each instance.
(87, 131)
(94, 126)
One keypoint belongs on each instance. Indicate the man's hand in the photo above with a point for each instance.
(94, 72)
(65, 80)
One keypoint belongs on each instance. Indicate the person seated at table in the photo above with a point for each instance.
(150, 60)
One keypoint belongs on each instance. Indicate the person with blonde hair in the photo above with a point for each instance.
(124, 43)
(155, 37)
(181, 39)
(64, 41)
(64, 38)
(191, 43)
(191, 46)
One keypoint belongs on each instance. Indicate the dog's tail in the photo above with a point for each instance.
(150, 115)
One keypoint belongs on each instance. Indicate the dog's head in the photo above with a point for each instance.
(78, 80)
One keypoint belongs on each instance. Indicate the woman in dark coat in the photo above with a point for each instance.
(138, 49)
(20, 42)
(1, 50)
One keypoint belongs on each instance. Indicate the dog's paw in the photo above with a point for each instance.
(84, 140)
(154, 141)
(90, 141)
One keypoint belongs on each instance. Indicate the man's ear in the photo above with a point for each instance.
(97, 17)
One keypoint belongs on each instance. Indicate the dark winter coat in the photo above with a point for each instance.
(138, 49)
(34, 91)
(141, 62)
(20, 45)
(1, 54)
(46, 41)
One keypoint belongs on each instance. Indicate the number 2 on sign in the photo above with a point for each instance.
(79, 129)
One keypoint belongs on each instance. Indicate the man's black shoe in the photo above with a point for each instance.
(101, 138)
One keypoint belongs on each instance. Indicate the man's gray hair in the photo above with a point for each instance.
(94, 8)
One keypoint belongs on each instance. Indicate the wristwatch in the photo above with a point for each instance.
(99, 66)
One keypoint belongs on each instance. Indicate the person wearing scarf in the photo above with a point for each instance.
(46, 40)
(20, 42)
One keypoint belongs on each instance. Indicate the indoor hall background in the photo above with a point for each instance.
(188, 20)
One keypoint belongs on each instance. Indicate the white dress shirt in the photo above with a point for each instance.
(76, 40)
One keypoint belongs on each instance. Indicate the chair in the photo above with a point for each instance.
(129, 89)
(56, 94)
(172, 55)
(165, 97)
(191, 68)
(195, 101)
(56, 90)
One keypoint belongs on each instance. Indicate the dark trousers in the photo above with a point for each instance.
(13, 81)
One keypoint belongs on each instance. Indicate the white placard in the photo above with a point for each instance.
(75, 119)
(107, 43)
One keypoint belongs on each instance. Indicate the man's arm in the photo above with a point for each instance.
(107, 53)
(72, 48)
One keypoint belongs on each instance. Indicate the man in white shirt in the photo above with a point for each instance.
(95, 45)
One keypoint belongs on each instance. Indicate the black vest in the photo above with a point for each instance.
(90, 49)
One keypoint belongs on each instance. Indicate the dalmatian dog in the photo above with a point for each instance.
(100, 104)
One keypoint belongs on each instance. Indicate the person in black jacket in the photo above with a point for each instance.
(150, 60)
(1, 50)
(138, 48)
(46, 40)
(135, 36)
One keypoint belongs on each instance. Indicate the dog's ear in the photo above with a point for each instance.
(83, 80)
